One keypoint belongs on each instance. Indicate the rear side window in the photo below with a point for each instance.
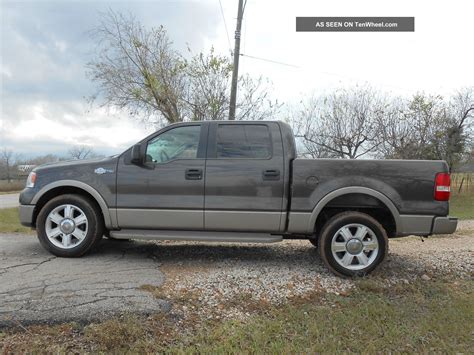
(243, 141)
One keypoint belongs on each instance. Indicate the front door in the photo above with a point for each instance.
(244, 177)
(167, 191)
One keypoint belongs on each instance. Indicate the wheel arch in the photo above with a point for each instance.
(62, 187)
(359, 190)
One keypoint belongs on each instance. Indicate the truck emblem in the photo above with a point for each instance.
(101, 171)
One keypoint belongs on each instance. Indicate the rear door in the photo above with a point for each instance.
(244, 177)
(167, 192)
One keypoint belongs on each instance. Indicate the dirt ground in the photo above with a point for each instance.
(205, 280)
(211, 278)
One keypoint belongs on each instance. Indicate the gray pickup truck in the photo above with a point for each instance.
(237, 182)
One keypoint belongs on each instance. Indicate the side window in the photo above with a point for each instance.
(177, 143)
(243, 141)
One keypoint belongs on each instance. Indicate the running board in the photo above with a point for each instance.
(196, 236)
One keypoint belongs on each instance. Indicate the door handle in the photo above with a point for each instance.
(271, 174)
(193, 174)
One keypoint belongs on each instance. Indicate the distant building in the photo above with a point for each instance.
(25, 169)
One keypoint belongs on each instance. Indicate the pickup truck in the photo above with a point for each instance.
(237, 182)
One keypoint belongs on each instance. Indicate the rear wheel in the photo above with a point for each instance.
(353, 244)
(69, 225)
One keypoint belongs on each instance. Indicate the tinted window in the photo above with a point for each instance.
(243, 141)
(177, 143)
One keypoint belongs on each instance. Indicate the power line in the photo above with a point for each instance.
(269, 60)
(225, 25)
(321, 72)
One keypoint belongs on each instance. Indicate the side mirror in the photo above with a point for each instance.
(137, 157)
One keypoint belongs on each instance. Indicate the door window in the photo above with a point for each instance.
(177, 143)
(243, 141)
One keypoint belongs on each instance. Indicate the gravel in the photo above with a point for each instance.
(232, 276)
(203, 281)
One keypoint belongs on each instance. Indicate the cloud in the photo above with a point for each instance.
(45, 47)
(435, 58)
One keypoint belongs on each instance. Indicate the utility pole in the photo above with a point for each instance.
(235, 71)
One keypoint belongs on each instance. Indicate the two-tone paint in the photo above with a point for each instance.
(278, 195)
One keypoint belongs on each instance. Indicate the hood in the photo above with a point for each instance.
(75, 163)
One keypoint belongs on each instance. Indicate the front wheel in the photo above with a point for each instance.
(353, 244)
(69, 225)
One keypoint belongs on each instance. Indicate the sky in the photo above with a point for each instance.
(45, 46)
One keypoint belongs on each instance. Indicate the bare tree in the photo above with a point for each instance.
(7, 159)
(427, 127)
(360, 121)
(80, 152)
(42, 159)
(209, 77)
(408, 128)
(463, 106)
(395, 132)
(302, 121)
(458, 134)
(138, 70)
(253, 99)
(342, 124)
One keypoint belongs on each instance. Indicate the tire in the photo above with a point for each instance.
(352, 244)
(70, 225)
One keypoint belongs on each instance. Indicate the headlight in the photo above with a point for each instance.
(30, 182)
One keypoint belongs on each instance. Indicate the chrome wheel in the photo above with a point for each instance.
(354, 246)
(66, 226)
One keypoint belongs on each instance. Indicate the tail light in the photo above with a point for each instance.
(442, 187)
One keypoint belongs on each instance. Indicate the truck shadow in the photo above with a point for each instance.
(195, 255)
(211, 252)
(290, 254)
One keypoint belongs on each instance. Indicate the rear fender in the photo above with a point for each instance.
(353, 190)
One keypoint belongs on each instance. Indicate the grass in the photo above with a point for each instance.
(435, 316)
(414, 319)
(9, 192)
(461, 205)
(11, 187)
(10, 221)
(462, 195)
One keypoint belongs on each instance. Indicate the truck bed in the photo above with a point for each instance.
(408, 183)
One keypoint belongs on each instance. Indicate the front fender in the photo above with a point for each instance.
(108, 218)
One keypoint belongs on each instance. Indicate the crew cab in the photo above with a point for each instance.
(237, 181)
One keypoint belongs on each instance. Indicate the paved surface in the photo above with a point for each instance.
(9, 200)
(36, 287)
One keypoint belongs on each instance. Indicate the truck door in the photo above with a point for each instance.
(244, 177)
(167, 192)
